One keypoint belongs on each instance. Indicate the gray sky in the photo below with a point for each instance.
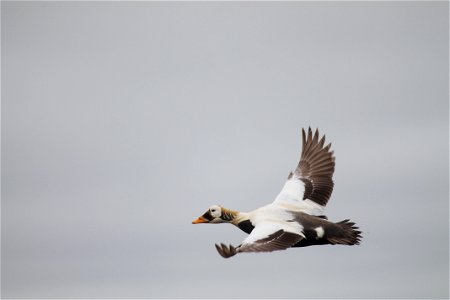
(122, 122)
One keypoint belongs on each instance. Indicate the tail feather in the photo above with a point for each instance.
(318, 230)
(348, 234)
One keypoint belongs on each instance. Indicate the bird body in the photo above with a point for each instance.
(295, 218)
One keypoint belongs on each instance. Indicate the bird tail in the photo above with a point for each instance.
(346, 233)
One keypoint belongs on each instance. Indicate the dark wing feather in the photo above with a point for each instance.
(279, 240)
(316, 168)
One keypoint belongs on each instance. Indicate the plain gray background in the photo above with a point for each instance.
(122, 122)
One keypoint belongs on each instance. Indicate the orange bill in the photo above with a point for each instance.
(200, 220)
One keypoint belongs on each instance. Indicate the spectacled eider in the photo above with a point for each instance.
(295, 218)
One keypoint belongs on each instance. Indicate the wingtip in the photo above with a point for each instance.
(322, 142)
(225, 251)
(316, 136)
(303, 137)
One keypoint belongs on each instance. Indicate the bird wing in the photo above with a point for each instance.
(310, 186)
(266, 237)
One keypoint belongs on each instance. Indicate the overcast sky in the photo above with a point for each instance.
(123, 122)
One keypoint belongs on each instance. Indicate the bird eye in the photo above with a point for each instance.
(213, 210)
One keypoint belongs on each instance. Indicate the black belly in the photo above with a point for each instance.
(310, 242)
(246, 226)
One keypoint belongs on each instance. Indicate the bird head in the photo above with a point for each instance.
(216, 214)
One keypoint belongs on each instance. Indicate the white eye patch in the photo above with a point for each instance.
(215, 211)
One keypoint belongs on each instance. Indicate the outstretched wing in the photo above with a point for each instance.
(310, 186)
(266, 237)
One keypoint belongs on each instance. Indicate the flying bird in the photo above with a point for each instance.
(295, 218)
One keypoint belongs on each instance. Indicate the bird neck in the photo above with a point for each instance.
(228, 214)
(240, 217)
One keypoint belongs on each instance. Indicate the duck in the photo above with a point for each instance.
(296, 217)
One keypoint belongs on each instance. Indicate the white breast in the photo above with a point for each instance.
(276, 215)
